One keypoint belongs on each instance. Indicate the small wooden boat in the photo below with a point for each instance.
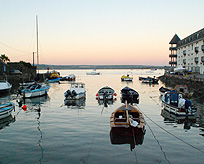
(173, 102)
(76, 91)
(6, 110)
(127, 120)
(184, 90)
(5, 87)
(106, 93)
(130, 95)
(128, 77)
(35, 90)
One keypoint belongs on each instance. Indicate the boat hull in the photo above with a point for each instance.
(78, 96)
(36, 93)
(175, 110)
(6, 110)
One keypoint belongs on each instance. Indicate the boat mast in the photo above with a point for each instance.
(37, 43)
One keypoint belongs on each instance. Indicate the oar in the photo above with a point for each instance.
(127, 114)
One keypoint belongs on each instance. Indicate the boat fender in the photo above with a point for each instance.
(134, 123)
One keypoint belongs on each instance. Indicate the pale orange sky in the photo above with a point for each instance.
(96, 32)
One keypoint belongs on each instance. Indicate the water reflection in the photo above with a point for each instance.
(80, 103)
(106, 102)
(187, 121)
(32, 102)
(4, 98)
(118, 139)
(6, 121)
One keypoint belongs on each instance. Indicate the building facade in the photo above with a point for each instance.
(190, 52)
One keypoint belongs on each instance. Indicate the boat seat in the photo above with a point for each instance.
(120, 119)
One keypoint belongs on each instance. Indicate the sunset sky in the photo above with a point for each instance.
(87, 32)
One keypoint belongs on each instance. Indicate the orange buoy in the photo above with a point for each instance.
(24, 107)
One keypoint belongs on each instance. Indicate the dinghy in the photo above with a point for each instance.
(106, 93)
(6, 110)
(127, 120)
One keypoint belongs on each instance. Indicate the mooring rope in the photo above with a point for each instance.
(171, 133)
(158, 143)
(135, 145)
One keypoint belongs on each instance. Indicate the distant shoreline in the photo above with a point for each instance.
(45, 67)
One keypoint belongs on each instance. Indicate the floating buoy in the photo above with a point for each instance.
(24, 107)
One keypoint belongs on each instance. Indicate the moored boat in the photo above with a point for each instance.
(70, 77)
(127, 120)
(130, 95)
(55, 80)
(150, 80)
(35, 90)
(184, 90)
(5, 87)
(162, 90)
(76, 91)
(173, 102)
(94, 72)
(128, 77)
(27, 83)
(6, 110)
(106, 93)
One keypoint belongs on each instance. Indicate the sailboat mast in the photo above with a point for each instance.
(37, 43)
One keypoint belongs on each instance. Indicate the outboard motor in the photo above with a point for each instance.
(67, 93)
(105, 95)
(74, 93)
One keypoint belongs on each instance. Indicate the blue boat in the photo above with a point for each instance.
(35, 90)
(6, 110)
(56, 80)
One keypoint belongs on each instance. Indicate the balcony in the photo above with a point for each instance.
(202, 58)
(184, 52)
(196, 60)
(173, 55)
(184, 61)
(172, 48)
(172, 63)
(196, 49)
(202, 47)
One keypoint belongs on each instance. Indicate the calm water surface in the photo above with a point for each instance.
(80, 132)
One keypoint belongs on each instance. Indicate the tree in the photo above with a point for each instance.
(4, 58)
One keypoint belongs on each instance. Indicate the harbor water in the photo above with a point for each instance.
(53, 131)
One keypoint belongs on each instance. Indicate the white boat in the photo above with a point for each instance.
(93, 72)
(128, 77)
(5, 87)
(179, 70)
(76, 91)
(6, 110)
(35, 90)
(27, 83)
(174, 103)
(106, 93)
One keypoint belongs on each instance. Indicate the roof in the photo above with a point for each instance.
(175, 39)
